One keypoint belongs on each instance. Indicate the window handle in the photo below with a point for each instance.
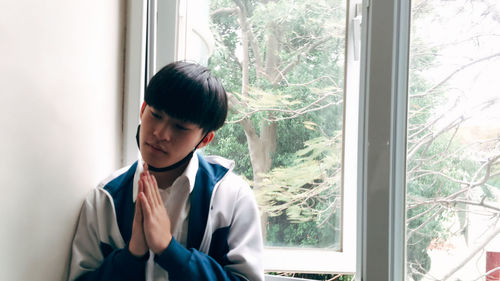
(356, 28)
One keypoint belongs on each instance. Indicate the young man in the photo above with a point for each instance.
(174, 214)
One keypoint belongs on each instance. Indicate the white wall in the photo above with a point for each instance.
(61, 69)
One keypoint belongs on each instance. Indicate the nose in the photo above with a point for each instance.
(162, 132)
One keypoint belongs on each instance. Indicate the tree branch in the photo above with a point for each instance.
(421, 214)
(463, 67)
(454, 201)
(292, 113)
(298, 56)
(250, 38)
(223, 12)
(412, 231)
(472, 253)
(488, 273)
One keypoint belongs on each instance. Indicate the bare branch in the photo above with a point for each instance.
(223, 12)
(292, 113)
(412, 231)
(247, 32)
(488, 273)
(245, 81)
(447, 78)
(473, 252)
(423, 173)
(454, 201)
(300, 54)
(430, 137)
(432, 122)
(408, 220)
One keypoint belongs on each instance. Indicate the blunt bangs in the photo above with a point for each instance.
(189, 92)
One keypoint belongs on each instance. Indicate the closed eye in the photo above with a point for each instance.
(155, 115)
(181, 127)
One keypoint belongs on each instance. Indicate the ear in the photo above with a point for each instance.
(143, 107)
(207, 139)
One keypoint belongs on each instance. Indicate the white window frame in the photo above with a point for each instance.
(323, 260)
(134, 76)
(377, 253)
(146, 33)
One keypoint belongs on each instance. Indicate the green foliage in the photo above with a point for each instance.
(308, 142)
(430, 174)
(230, 142)
(442, 166)
(313, 188)
(301, 192)
(282, 232)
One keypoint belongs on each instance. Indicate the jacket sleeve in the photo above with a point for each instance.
(183, 264)
(243, 258)
(94, 254)
(119, 265)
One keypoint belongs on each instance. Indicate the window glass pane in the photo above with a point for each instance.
(453, 182)
(282, 63)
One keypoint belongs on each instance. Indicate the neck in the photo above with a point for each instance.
(173, 166)
(167, 178)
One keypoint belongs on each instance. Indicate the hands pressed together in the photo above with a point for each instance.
(151, 226)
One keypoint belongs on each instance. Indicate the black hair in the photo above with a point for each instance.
(188, 92)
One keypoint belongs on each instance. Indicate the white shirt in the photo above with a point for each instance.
(177, 204)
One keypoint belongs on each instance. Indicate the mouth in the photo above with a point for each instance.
(156, 148)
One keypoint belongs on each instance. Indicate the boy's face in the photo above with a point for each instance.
(164, 140)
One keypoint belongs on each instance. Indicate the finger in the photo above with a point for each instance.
(148, 191)
(137, 201)
(144, 170)
(153, 187)
(140, 185)
(143, 174)
(155, 191)
(146, 208)
(138, 207)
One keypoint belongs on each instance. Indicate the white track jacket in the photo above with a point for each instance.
(224, 235)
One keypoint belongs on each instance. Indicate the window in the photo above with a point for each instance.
(437, 177)
(284, 65)
(417, 182)
(452, 178)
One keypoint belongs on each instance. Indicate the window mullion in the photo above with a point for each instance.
(398, 135)
(382, 136)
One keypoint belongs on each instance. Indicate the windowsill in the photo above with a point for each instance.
(280, 278)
